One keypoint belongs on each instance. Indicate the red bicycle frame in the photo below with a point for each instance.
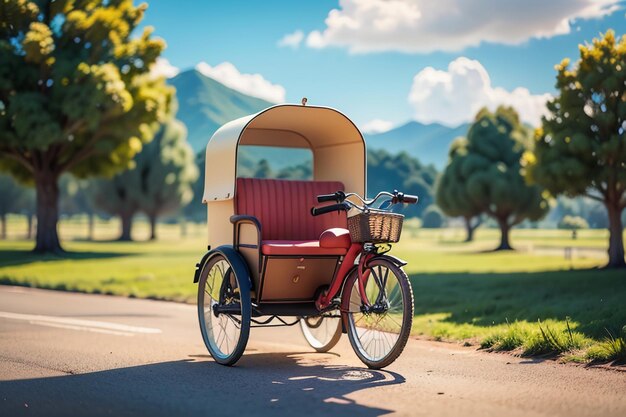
(356, 249)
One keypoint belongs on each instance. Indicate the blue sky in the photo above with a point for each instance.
(375, 84)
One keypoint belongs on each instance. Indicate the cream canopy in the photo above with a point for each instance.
(337, 145)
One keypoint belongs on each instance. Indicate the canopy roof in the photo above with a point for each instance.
(337, 145)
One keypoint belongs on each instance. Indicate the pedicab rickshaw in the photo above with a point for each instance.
(276, 259)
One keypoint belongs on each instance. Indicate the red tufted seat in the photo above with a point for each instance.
(283, 207)
(335, 241)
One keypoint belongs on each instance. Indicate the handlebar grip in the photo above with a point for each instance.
(326, 197)
(409, 199)
(316, 211)
(339, 196)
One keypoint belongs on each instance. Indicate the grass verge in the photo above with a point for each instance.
(531, 302)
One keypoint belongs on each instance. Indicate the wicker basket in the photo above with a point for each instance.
(375, 227)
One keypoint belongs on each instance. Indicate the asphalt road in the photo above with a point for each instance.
(65, 354)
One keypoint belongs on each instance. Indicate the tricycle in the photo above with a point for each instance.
(301, 252)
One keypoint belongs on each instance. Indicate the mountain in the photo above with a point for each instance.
(205, 104)
(427, 142)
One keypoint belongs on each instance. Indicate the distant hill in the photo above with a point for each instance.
(427, 142)
(205, 104)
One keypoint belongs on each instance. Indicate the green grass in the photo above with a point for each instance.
(535, 300)
(611, 348)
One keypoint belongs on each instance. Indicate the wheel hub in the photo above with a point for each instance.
(377, 308)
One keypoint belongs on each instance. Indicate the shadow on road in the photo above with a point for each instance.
(262, 384)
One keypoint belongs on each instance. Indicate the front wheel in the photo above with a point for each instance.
(321, 332)
(225, 333)
(379, 331)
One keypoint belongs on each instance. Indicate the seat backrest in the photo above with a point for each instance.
(283, 207)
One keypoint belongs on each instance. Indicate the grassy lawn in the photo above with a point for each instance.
(540, 299)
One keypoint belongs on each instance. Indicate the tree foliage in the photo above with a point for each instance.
(581, 147)
(573, 223)
(484, 174)
(386, 172)
(432, 217)
(454, 198)
(76, 94)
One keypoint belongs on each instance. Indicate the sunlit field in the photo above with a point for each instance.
(546, 297)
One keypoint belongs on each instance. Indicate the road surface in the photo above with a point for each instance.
(64, 354)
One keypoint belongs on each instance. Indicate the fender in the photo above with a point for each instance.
(396, 261)
(235, 259)
(200, 265)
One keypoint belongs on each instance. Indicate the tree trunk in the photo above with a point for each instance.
(47, 239)
(616, 240)
(153, 221)
(29, 220)
(127, 225)
(183, 227)
(504, 235)
(3, 220)
(470, 228)
(90, 226)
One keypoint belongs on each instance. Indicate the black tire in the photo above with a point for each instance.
(219, 284)
(321, 332)
(387, 331)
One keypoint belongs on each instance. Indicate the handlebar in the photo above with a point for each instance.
(316, 211)
(343, 204)
(339, 196)
(405, 198)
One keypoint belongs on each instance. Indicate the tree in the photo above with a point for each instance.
(263, 170)
(76, 94)
(76, 198)
(573, 223)
(29, 204)
(167, 171)
(451, 190)
(15, 200)
(386, 172)
(489, 169)
(432, 218)
(581, 147)
(195, 210)
(116, 196)
(159, 182)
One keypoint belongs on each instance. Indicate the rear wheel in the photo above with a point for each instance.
(379, 332)
(225, 334)
(321, 332)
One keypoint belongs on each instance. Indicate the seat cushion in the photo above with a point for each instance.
(335, 238)
(298, 248)
(283, 207)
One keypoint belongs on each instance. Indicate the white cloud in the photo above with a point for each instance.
(449, 25)
(376, 126)
(454, 96)
(251, 84)
(292, 40)
(163, 68)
